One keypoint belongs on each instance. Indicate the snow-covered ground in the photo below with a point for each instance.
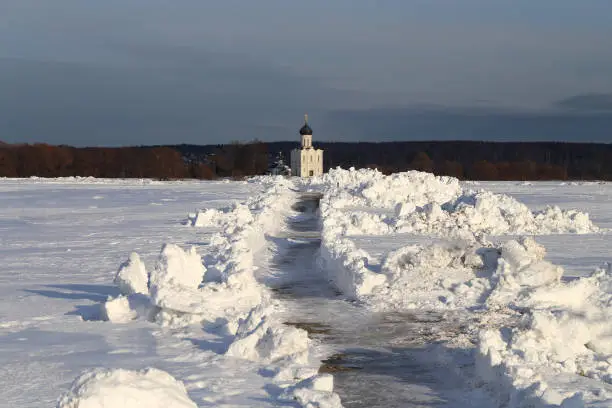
(414, 290)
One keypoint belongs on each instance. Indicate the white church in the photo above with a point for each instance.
(306, 161)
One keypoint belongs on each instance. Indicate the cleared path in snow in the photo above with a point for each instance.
(380, 360)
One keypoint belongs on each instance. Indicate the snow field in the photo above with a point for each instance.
(205, 316)
(563, 328)
(220, 288)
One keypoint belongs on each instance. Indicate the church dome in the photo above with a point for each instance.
(305, 130)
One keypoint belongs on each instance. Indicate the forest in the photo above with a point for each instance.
(462, 159)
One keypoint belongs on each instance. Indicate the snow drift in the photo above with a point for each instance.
(185, 288)
(415, 202)
(563, 329)
(259, 339)
(149, 388)
(535, 328)
(182, 288)
(366, 202)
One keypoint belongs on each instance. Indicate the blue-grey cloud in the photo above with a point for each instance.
(211, 101)
(588, 103)
(436, 123)
(155, 71)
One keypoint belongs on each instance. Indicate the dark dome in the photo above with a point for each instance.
(305, 130)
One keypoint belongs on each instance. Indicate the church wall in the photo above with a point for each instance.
(306, 161)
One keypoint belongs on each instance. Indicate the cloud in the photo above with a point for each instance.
(438, 123)
(153, 71)
(195, 99)
(592, 102)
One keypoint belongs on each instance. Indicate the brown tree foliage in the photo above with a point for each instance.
(422, 162)
(44, 160)
(241, 159)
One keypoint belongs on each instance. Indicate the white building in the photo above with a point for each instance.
(306, 161)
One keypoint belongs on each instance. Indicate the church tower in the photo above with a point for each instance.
(306, 161)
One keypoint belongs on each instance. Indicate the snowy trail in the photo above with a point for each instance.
(378, 360)
(62, 241)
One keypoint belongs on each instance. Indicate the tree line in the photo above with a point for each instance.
(476, 160)
(158, 162)
(464, 160)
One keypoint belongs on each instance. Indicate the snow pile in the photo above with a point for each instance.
(521, 269)
(347, 267)
(182, 269)
(564, 330)
(416, 202)
(149, 388)
(421, 203)
(347, 223)
(497, 214)
(224, 217)
(260, 339)
(440, 275)
(471, 214)
(183, 288)
(371, 188)
(132, 276)
(315, 392)
(123, 309)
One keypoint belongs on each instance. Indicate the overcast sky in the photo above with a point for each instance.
(116, 72)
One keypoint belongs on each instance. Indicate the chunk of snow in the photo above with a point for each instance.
(258, 340)
(177, 267)
(132, 276)
(123, 309)
(313, 392)
(151, 388)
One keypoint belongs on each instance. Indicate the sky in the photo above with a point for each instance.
(128, 72)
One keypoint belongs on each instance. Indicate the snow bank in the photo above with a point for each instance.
(534, 329)
(262, 338)
(313, 392)
(366, 202)
(259, 339)
(183, 288)
(149, 388)
(415, 202)
(440, 275)
(470, 214)
(347, 267)
(371, 188)
(521, 269)
(563, 329)
(238, 213)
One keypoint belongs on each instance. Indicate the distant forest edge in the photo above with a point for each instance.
(461, 159)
